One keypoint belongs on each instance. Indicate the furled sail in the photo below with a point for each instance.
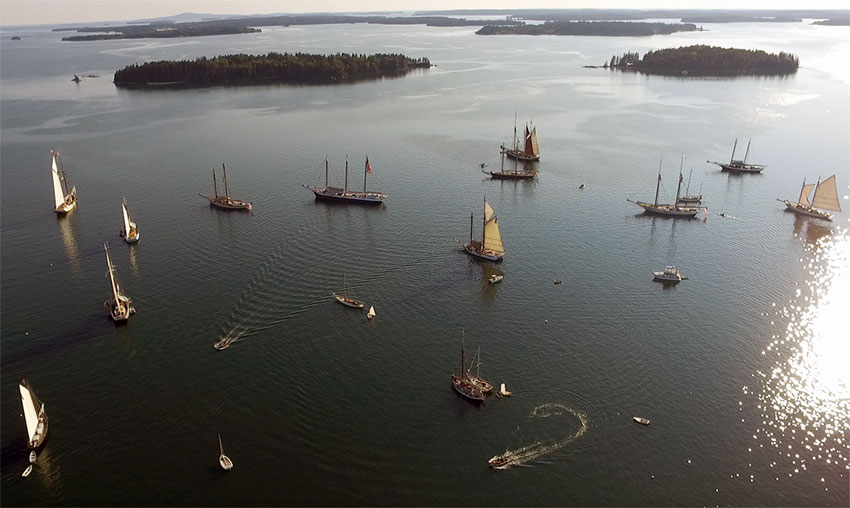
(826, 195)
(58, 195)
(804, 194)
(492, 236)
(30, 412)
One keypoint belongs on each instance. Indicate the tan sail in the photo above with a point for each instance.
(533, 142)
(488, 212)
(826, 195)
(804, 194)
(492, 236)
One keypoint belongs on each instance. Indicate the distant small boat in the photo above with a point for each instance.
(514, 174)
(498, 462)
(825, 196)
(690, 199)
(670, 274)
(224, 343)
(344, 298)
(226, 202)
(27, 471)
(495, 278)
(642, 421)
(33, 456)
(130, 233)
(740, 166)
(557, 281)
(371, 314)
(504, 392)
(581, 186)
(223, 460)
(64, 200)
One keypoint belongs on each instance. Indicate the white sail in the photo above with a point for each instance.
(804, 194)
(492, 236)
(826, 195)
(126, 219)
(30, 412)
(58, 195)
(371, 313)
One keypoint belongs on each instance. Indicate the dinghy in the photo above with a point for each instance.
(642, 421)
(371, 313)
(223, 460)
(33, 456)
(27, 471)
(504, 392)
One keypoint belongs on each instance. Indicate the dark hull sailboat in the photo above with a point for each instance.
(328, 193)
(529, 151)
(665, 209)
(740, 166)
(514, 174)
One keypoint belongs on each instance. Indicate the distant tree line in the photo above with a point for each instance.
(284, 67)
(707, 60)
(740, 18)
(833, 22)
(609, 28)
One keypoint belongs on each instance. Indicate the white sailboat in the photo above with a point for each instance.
(345, 299)
(223, 460)
(371, 314)
(34, 415)
(490, 247)
(825, 196)
(130, 231)
(119, 306)
(63, 200)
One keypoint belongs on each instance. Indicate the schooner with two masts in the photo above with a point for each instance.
(825, 196)
(64, 200)
(739, 166)
(226, 202)
(667, 210)
(514, 174)
(529, 151)
(490, 247)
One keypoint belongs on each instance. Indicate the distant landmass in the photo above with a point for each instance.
(705, 60)
(739, 18)
(613, 28)
(761, 15)
(833, 22)
(280, 67)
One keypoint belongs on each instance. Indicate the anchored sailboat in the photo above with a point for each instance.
(463, 385)
(825, 196)
(371, 314)
(667, 210)
(688, 198)
(514, 174)
(119, 305)
(739, 166)
(490, 247)
(130, 233)
(226, 201)
(344, 298)
(64, 200)
(34, 415)
(329, 193)
(529, 150)
(476, 378)
(223, 460)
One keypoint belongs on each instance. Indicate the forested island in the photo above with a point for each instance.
(609, 28)
(704, 60)
(279, 67)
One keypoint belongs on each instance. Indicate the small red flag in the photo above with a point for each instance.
(368, 166)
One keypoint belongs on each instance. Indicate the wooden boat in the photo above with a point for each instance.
(670, 274)
(64, 200)
(529, 151)
(498, 462)
(226, 202)
(35, 416)
(667, 210)
(371, 314)
(463, 386)
(739, 166)
(223, 344)
(328, 193)
(476, 378)
(344, 298)
(514, 174)
(495, 279)
(642, 421)
(223, 460)
(119, 305)
(490, 247)
(688, 198)
(825, 196)
(130, 232)
(557, 281)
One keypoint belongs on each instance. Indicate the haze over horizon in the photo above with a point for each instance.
(45, 12)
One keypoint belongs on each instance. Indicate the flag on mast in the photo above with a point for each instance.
(368, 166)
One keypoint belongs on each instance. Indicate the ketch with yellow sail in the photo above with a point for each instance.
(490, 247)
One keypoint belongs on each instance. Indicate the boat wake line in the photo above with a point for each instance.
(528, 453)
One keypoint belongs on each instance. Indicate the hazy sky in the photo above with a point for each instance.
(34, 12)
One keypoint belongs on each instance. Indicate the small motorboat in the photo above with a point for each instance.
(581, 186)
(27, 471)
(504, 392)
(642, 421)
(498, 462)
(670, 274)
(557, 281)
(495, 278)
(371, 314)
(32, 457)
(223, 343)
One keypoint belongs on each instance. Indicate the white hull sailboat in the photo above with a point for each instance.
(345, 299)
(825, 196)
(130, 233)
(225, 201)
(223, 460)
(328, 193)
(119, 305)
(739, 166)
(667, 210)
(34, 415)
(64, 200)
(490, 247)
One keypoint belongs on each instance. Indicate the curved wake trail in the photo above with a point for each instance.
(528, 453)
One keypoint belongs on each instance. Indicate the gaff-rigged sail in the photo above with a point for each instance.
(58, 193)
(804, 194)
(826, 195)
(531, 141)
(492, 236)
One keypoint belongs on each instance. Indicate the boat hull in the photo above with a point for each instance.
(467, 391)
(667, 210)
(121, 314)
(513, 175)
(807, 211)
(661, 277)
(489, 255)
(522, 156)
(740, 168)
(38, 442)
(362, 198)
(348, 302)
(66, 207)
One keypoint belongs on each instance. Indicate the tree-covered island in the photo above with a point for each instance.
(705, 60)
(607, 28)
(280, 67)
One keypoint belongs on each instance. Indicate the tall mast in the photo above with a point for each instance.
(365, 167)
(748, 150)
(326, 172)
(688, 189)
(732, 158)
(803, 188)
(462, 359)
(346, 173)
(226, 192)
(111, 275)
(658, 185)
(215, 185)
(62, 176)
(679, 187)
(502, 160)
(470, 227)
(515, 144)
(484, 223)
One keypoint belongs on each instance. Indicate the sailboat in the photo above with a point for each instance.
(63, 200)
(34, 415)
(529, 151)
(344, 299)
(688, 198)
(463, 385)
(825, 196)
(667, 210)
(130, 233)
(223, 460)
(514, 174)
(371, 314)
(328, 193)
(490, 247)
(119, 305)
(476, 378)
(226, 201)
(739, 166)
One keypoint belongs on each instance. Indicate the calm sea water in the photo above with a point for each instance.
(742, 368)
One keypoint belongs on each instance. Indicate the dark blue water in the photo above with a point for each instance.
(741, 367)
